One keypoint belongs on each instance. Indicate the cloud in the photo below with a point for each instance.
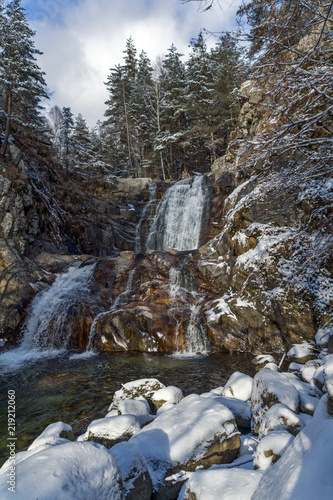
(83, 39)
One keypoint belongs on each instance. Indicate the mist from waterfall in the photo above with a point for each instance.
(178, 220)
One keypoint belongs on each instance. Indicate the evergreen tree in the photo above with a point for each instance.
(66, 130)
(200, 106)
(81, 141)
(21, 80)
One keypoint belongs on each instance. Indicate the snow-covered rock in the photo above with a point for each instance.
(305, 469)
(238, 386)
(145, 387)
(71, 471)
(136, 407)
(170, 394)
(51, 435)
(272, 366)
(322, 337)
(221, 484)
(328, 373)
(262, 359)
(110, 430)
(269, 388)
(301, 353)
(198, 431)
(134, 471)
(280, 417)
(164, 408)
(241, 410)
(248, 445)
(319, 378)
(271, 448)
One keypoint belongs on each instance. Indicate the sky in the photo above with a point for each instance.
(82, 39)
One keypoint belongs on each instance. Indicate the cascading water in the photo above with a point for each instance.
(196, 336)
(178, 219)
(44, 332)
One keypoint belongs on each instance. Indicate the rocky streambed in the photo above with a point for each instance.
(267, 436)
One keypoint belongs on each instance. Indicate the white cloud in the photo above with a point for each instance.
(81, 41)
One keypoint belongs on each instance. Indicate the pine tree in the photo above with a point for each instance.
(200, 106)
(66, 130)
(81, 141)
(21, 80)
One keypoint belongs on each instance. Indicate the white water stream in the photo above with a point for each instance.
(178, 219)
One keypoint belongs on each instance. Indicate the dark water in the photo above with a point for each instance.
(78, 391)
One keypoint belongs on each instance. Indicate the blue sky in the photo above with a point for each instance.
(83, 39)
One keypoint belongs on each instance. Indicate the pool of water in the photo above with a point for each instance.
(77, 390)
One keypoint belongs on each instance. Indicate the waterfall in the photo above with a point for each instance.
(196, 336)
(49, 309)
(44, 333)
(178, 219)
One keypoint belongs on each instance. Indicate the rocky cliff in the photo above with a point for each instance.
(260, 280)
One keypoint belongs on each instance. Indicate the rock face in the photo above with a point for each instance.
(261, 279)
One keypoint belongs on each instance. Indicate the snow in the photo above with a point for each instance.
(135, 407)
(322, 336)
(221, 308)
(328, 371)
(276, 442)
(299, 351)
(221, 484)
(248, 445)
(164, 408)
(50, 435)
(113, 427)
(183, 433)
(238, 386)
(305, 469)
(71, 471)
(244, 303)
(262, 359)
(280, 417)
(131, 390)
(170, 394)
(131, 462)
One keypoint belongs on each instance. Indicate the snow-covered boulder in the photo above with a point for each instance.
(272, 366)
(270, 388)
(71, 471)
(301, 353)
(309, 369)
(305, 469)
(238, 386)
(198, 431)
(328, 372)
(145, 387)
(280, 417)
(170, 394)
(322, 337)
(221, 484)
(262, 359)
(164, 408)
(271, 448)
(134, 471)
(137, 407)
(111, 430)
(241, 410)
(52, 434)
(319, 378)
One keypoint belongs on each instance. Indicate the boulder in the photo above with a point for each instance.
(70, 471)
(170, 394)
(51, 435)
(301, 353)
(138, 407)
(198, 431)
(280, 417)
(238, 386)
(271, 448)
(134, 471)
(221, 484)
(111, 430)
(304, 470)
(270, 388)
(145, 387)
